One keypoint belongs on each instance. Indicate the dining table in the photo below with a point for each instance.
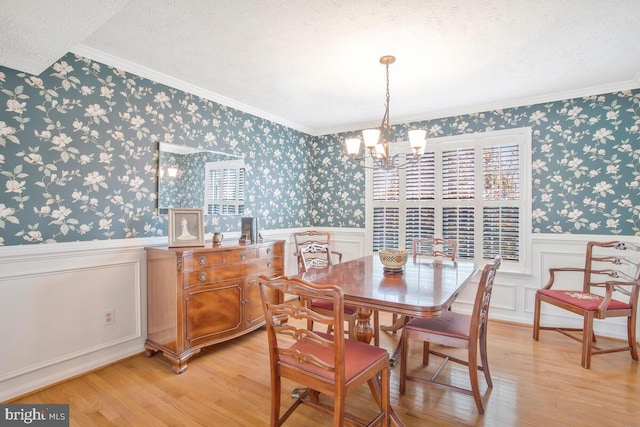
(424, 287)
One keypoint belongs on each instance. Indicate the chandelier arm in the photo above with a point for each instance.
(358, 161)
(412, 159)
(379, 164)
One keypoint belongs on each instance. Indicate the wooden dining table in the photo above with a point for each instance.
(424, 288)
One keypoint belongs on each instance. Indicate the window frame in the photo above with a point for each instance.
(519, 136)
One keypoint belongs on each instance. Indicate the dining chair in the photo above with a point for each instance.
(453, 329)
(316, 255)
(435, 248)
(307, 237)
(610, 286)
(320, 363)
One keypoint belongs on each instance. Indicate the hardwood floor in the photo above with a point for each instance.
(534, 384)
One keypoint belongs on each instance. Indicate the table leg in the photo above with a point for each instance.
(363, 332)
(397, 325)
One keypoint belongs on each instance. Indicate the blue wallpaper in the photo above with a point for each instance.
(585, 164)
(79, 158)
(79, 155)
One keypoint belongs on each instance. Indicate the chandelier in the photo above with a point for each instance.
(377, 141)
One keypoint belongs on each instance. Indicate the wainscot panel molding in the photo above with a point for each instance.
(53, 299)
(53, 303)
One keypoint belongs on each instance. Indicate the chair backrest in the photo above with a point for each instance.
(480, 313)
(315, 255)
(307, 237)
(435, 247)
(291, 343)
(611, 262)
(311, 236)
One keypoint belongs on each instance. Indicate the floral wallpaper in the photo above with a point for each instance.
(79, 158)
(585, 164)
(79, 155)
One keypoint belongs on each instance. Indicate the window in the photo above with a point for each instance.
(224, 188)
(471, 188)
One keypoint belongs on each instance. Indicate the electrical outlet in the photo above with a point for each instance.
(109, 316)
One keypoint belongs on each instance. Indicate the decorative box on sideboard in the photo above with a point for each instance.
(199, 296)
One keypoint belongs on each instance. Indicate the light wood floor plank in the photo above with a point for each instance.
(535, 383)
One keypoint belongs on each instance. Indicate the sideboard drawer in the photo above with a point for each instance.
(270, 251)
(202, 260)
(240, 255)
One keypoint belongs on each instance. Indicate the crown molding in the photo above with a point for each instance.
(159, 77)
(500, 105)
(156, 76)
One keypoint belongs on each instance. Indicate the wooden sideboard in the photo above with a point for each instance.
(198, 296)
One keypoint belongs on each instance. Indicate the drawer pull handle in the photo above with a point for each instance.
(202, 260)
(268, 251)
(243, 256)
(268, 264)
(202, 276)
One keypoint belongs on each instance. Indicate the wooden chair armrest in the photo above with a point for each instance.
(554, 270)
(610, 287)
(338, 254)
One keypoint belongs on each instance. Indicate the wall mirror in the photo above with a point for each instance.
(198, 178)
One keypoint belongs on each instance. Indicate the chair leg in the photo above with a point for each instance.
(484, 359)
(536, 319)
(587, 340)
(631, 334)
(376, 328)
(404, 351)
(385, 398)
(275, 401)
(473, 377)
(338, 410)
(425, 353)
(352, 327)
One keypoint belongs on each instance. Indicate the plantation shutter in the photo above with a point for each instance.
(501, 215)
(420, 189)
(386, 216)
(468, 189)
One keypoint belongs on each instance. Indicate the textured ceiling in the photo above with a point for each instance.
(313, 64)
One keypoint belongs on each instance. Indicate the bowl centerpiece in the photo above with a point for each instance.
(393, 260)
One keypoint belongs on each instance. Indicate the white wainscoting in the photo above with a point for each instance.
(514, 291)
(53, 299)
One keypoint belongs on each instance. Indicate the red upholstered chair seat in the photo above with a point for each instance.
(358, 357)
(584, 300)
(450, 324)
(327, 305)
